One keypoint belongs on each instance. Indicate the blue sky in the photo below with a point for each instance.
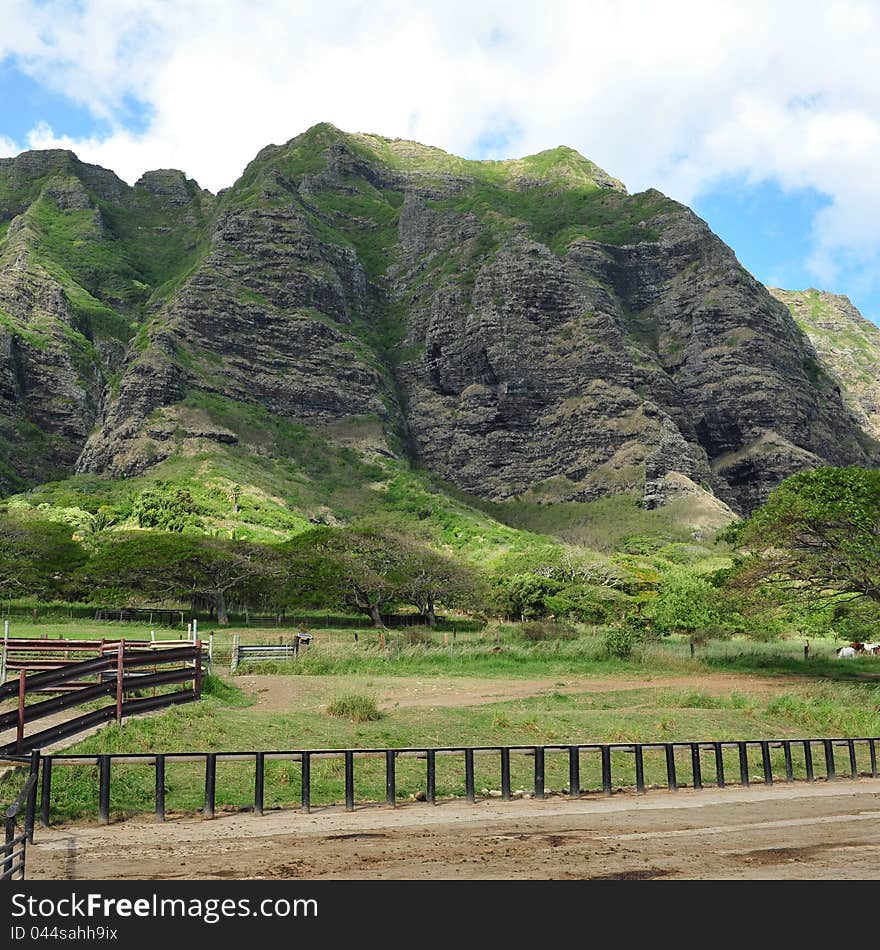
(762, 117)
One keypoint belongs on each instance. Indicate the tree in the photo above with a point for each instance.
(370, 570)
(685, 603)
(525, 595)
(356, 568)
(817, 535)
(36, 557)
(160, 566)
(166, 507)
(427, 577)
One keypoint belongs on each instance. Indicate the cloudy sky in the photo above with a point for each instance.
(763, 115)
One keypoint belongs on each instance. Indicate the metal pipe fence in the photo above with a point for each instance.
(368, 776)
(15, 844)
(118, 675)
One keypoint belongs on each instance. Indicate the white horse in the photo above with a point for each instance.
(846, 653)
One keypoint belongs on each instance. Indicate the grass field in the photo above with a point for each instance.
(495, 688)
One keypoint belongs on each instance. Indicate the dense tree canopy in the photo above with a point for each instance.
(36, 556)
(817, 535)
(162, 566)
(371, 570)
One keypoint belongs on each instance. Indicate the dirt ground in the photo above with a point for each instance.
(820, 831)
(279, 693)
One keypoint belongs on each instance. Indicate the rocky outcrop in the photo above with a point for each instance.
(521, 329)
(847, 345)
(81, 254)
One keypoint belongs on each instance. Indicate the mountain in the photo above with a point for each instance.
(848, 346)
(519, 329)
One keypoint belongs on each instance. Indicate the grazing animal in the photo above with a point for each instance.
(846, 653)
(872, 648)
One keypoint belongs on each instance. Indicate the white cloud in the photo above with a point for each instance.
(8, 147)
(676, 95)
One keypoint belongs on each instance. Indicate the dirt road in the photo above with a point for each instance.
(798, 831)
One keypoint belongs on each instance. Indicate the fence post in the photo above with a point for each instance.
(574, 771)
(30, 813)
(349, 780)
(539, 771)
(197, 684)
(766, 763)
(853, 765)
(469, 774)
(259, 781)
(306, 795)
(390, 778)
(696, 765)
(872, 751)
(505, 774)
(606, 770)
(789, 768)
(160, 787)
(671, 782)
(233, 666)
(104, 789)
(743, 763)
(640, 767)
(120, 660)
(210, 783)
(829, 760)
(46, 791)
(719, 764)
(210, 653)
(431, 791)
(22, 688)
(808, 759)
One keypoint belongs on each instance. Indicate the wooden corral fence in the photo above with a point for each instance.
(267, 652)
(36, 655)
(684, 764)
(16, 842)
(121, 671)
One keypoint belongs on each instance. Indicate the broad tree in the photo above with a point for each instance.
(37, 557)
(817, 536)
(161, 566)
(356, 568)
(428, 577)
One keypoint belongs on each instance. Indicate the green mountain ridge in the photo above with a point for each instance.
(358, 320)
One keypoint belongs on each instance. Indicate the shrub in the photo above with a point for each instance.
(356, 707)
(621, 642)
(412, 636)
(536, 630)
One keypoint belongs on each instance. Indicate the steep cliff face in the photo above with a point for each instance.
(81, 257)
(522, 328)
(848, 346)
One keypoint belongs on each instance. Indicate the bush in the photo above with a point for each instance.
(685, 603)
(356, 707)
(537, 630)
(585, 603)
(414, 637)
(621, 642)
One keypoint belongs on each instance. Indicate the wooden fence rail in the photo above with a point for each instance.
(128, 669)
(15, 843)
(694, 764)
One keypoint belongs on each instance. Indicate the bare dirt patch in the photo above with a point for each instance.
(274, 693)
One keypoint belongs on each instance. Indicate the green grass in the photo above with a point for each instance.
(653, 713)
(356, 707)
